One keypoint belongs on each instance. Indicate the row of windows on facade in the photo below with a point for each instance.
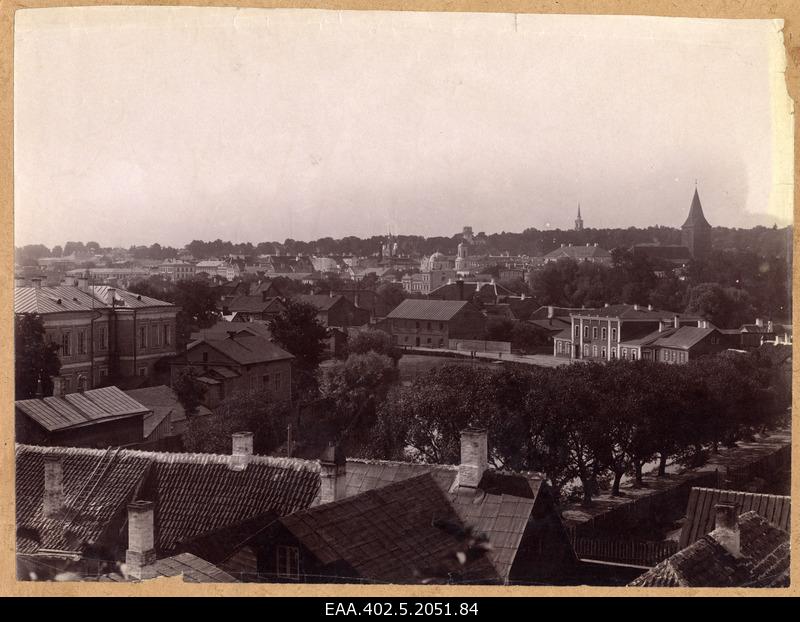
(160, 335)
(407, 340)
(81, 381)
(258, 382)
(563, 347)
(416, 324)
(603, 332)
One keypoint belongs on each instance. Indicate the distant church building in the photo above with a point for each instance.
(696, 232)
(695, 238)
(579, 220)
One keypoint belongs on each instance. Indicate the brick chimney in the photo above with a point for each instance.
(112, 294)
(53, 502)
(241, 450)
(141, 553)
(474, 457)
(37, 282)
(333, 474)
(58, 386)
(726, 528)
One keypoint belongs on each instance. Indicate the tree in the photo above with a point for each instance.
(725, 307)
(190, 392)
(356, 387)
(297, 330)
(373, 341)
(198, 307)
(35, 360)
(250, 412)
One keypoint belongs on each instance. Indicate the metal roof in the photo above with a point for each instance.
(76, 409)
(440, 310)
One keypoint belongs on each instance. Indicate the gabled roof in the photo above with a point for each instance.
(700, 514)
(78, 409)
(696, 218)
(396, 533)
(648, 338)
(254, 304)
(471, 288)
(764, 560)
(244, 348)
(439, 310)
(321, 301)
(578, 252)
(162, 400)
(221, 329)
(564, 334)
(631, 312)
(685, 337)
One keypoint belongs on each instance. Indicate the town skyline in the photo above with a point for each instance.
(173, 118)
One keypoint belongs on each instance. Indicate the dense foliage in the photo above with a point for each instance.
(35, 360)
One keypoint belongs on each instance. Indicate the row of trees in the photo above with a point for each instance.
(729, 288)
(583, 422)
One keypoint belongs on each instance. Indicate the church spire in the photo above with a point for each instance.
(696, 217)
(696, 232)
(579, 220)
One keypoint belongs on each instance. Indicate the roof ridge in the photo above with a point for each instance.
(166, 457)
(402, 462)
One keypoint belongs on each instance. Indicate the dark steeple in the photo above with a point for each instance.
(696, 217)
(696, 232)
(579, 220)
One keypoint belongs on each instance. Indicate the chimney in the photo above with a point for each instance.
(649, 307)
(39, 390)
(37, 282)
(522, 296)
(241, 450)
(550, 312)
(333, 474)
(759, 321)
(83, 283)
(606, 305)
(112, 295)
(19, 281)
(726, 528)
(770, 327)
(474, 457)
(53, 502)
(58, 386)
(676, 322)
(635, 307)
(141, 553)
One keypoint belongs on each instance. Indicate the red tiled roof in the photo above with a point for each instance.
(764, 560)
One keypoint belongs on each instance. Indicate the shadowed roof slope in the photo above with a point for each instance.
(438, 310)
(390, 534)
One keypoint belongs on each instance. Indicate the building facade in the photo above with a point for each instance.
(432, 323)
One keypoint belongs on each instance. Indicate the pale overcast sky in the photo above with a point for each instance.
(137, 125)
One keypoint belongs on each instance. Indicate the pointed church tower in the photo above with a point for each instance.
(579, 220)
(696, 232)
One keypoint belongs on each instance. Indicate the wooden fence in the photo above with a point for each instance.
(633, 552)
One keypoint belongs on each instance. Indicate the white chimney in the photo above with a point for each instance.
(726, 528)
(58, 386)
(676, 322)
(474, 457)
(649, 307)
(550, 312)
(241, 450)
(333, 474)
(759, 321)
(53, 502)
(141, 553)
(770, 327)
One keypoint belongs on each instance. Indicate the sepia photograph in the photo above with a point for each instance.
(413, 298)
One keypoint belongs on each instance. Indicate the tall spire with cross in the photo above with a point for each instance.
(579, 220)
